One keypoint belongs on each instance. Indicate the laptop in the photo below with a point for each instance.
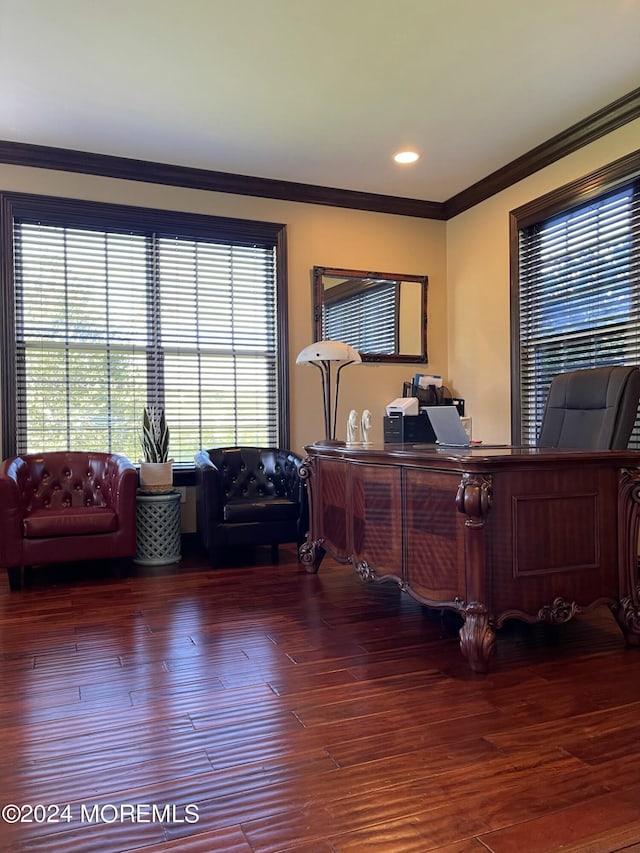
(447, 426)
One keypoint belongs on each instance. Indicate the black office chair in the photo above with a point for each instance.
(592, 409)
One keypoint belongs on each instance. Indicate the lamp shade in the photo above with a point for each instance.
(328, 351)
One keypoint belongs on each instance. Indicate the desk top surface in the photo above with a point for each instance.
(481, 455)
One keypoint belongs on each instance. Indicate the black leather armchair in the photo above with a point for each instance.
(249, 496)
(593, 409)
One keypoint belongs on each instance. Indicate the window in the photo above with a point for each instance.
(364, 314)
(111, 309)
(576, 296)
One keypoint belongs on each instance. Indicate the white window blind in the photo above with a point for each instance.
(108, 321)
(367, 319)
(579, 292)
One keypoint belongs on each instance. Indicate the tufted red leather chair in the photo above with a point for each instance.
(249, 496)
(65, 506)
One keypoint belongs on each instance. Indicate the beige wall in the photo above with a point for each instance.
(316, 235)
(466, 260)
(478, 284)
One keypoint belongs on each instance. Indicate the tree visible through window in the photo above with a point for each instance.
(108, 318)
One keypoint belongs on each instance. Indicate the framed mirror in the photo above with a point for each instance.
(382, 315)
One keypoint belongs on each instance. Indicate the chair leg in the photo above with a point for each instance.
(14, 574)
(275, 554)
(215, 555)
(121, 567)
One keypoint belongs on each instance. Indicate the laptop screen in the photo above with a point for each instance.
(447, 426)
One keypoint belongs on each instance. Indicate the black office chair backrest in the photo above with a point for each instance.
(593, 409)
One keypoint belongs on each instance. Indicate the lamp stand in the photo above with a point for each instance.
(329, 430)
(321, 354)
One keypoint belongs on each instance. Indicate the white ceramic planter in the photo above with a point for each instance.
(156, 477)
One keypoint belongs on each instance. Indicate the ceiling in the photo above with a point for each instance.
(318, 92)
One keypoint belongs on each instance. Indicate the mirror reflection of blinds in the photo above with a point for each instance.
(110, 321)
(368, 321)
(579, 297)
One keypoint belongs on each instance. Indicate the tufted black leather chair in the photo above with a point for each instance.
(594, 408)
(249, 496)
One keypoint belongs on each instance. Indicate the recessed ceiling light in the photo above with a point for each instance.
(406, 156)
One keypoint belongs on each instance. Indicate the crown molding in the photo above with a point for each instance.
(105, 165)
(598, 124)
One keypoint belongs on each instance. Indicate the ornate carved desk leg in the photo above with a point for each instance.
(477, 635)
(311, 551)
(311, 554)
(627, 611)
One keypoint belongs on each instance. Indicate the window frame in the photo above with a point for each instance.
(83, 213)
(581, 191)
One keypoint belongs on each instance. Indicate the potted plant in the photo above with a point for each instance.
(156, 469)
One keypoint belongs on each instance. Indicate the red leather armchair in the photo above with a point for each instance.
(65, 506)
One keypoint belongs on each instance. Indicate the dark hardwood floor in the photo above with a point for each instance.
(260, 708)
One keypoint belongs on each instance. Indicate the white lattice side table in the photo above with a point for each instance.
(158, 528)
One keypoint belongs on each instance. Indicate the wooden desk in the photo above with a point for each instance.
(493, 534)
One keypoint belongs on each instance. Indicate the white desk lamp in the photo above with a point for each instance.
(322, 354)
